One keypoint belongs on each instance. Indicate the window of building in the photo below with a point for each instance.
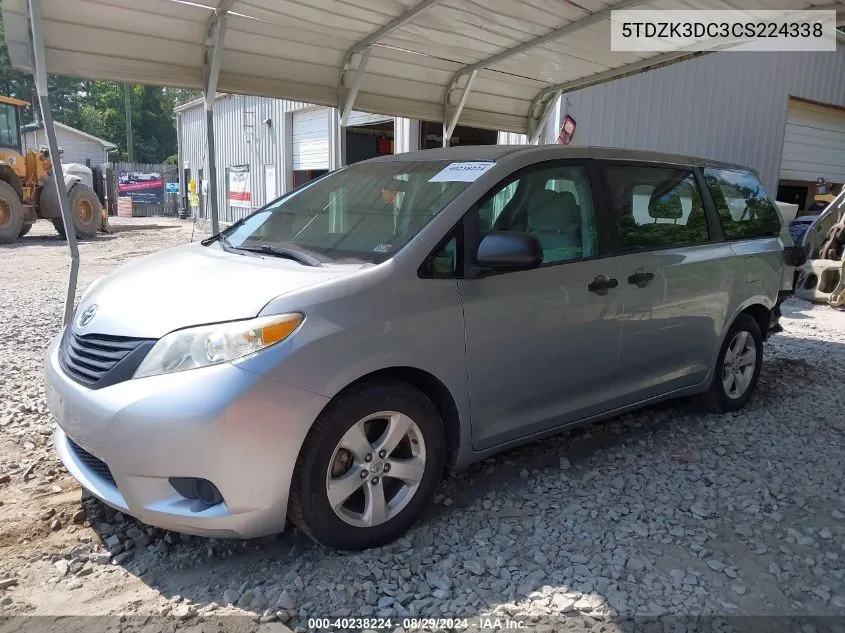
(744, 207)
(656, 207)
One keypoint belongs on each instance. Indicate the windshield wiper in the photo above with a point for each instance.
(275, 251)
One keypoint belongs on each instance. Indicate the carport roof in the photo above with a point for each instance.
(420, 52)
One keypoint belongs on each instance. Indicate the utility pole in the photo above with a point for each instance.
(130, 154)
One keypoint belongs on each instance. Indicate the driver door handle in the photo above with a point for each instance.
(601, 284)
(640, 278)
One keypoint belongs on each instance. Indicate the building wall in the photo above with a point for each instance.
(725, 106)
(77, 148)
(241, 138)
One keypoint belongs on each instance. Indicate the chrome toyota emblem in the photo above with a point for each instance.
(87, 315)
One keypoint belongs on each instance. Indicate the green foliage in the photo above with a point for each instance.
(98, 108)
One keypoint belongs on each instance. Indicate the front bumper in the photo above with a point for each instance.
(238, 430)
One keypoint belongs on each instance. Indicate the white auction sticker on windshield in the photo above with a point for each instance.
(461, 172)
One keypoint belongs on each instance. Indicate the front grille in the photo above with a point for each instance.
(89, 357)
(98, 466)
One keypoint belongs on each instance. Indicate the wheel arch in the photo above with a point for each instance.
(433, 388)
(759, 310)
(761, 314)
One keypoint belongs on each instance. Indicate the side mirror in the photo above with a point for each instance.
(509, 250)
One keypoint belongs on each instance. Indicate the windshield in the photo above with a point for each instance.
(363, 213)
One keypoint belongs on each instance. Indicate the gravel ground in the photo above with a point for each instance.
(667, 511)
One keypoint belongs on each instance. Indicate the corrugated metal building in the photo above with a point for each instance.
(281, 144)
(77, 146)
(780, 113)
(741, 107)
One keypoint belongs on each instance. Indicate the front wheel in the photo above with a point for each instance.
(85, 209)
(737, 367)
(368, 467)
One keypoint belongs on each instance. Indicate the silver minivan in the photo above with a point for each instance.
(326, 358)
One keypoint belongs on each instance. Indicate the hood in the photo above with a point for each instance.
(193, 285)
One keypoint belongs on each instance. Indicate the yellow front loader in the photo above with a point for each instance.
(27, 190)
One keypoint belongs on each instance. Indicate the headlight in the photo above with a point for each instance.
(217, 343)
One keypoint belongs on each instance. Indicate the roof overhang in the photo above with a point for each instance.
(419, 54)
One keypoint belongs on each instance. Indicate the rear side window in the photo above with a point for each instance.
(656, 207)
(744, 207)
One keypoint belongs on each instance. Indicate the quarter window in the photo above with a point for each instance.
(555, 204)
(743, 206)
(656, 207)
(444, 263)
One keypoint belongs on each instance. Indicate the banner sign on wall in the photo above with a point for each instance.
(143, 188)
(239, 194)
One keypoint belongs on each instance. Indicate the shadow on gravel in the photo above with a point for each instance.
(53, 240)
(131, 228)
(659, 512)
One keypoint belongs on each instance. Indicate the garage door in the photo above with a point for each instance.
(814, 145)
(310, 137)
(364, 118)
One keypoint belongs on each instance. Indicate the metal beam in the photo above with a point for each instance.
(537, 130)
(567, 29)
(346, 96)
(644, 65)
(450, 119)
(396, 23)
(212, 57)
(40, 72)
(652, 63)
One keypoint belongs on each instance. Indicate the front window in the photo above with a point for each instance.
(10, 133)
(363, 213)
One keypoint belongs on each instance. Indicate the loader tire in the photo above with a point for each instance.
(85, 208)
(11, 213)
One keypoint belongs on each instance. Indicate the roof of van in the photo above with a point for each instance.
(496, 152)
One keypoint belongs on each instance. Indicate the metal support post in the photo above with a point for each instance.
(337, 140)
(346, 96)
(537, 126)
(450, 117)
(211, 73)
(40, 72)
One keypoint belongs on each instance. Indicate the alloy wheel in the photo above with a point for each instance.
(739, 365)
(376, 469)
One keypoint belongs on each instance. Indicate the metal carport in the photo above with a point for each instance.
(497, 64)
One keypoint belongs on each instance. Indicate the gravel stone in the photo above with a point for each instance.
(668, 511)
(231, 596)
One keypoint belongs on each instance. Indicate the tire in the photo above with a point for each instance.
(25, 229)
(361, 408)
(11, 213)
(721, 398)
(85, 208)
